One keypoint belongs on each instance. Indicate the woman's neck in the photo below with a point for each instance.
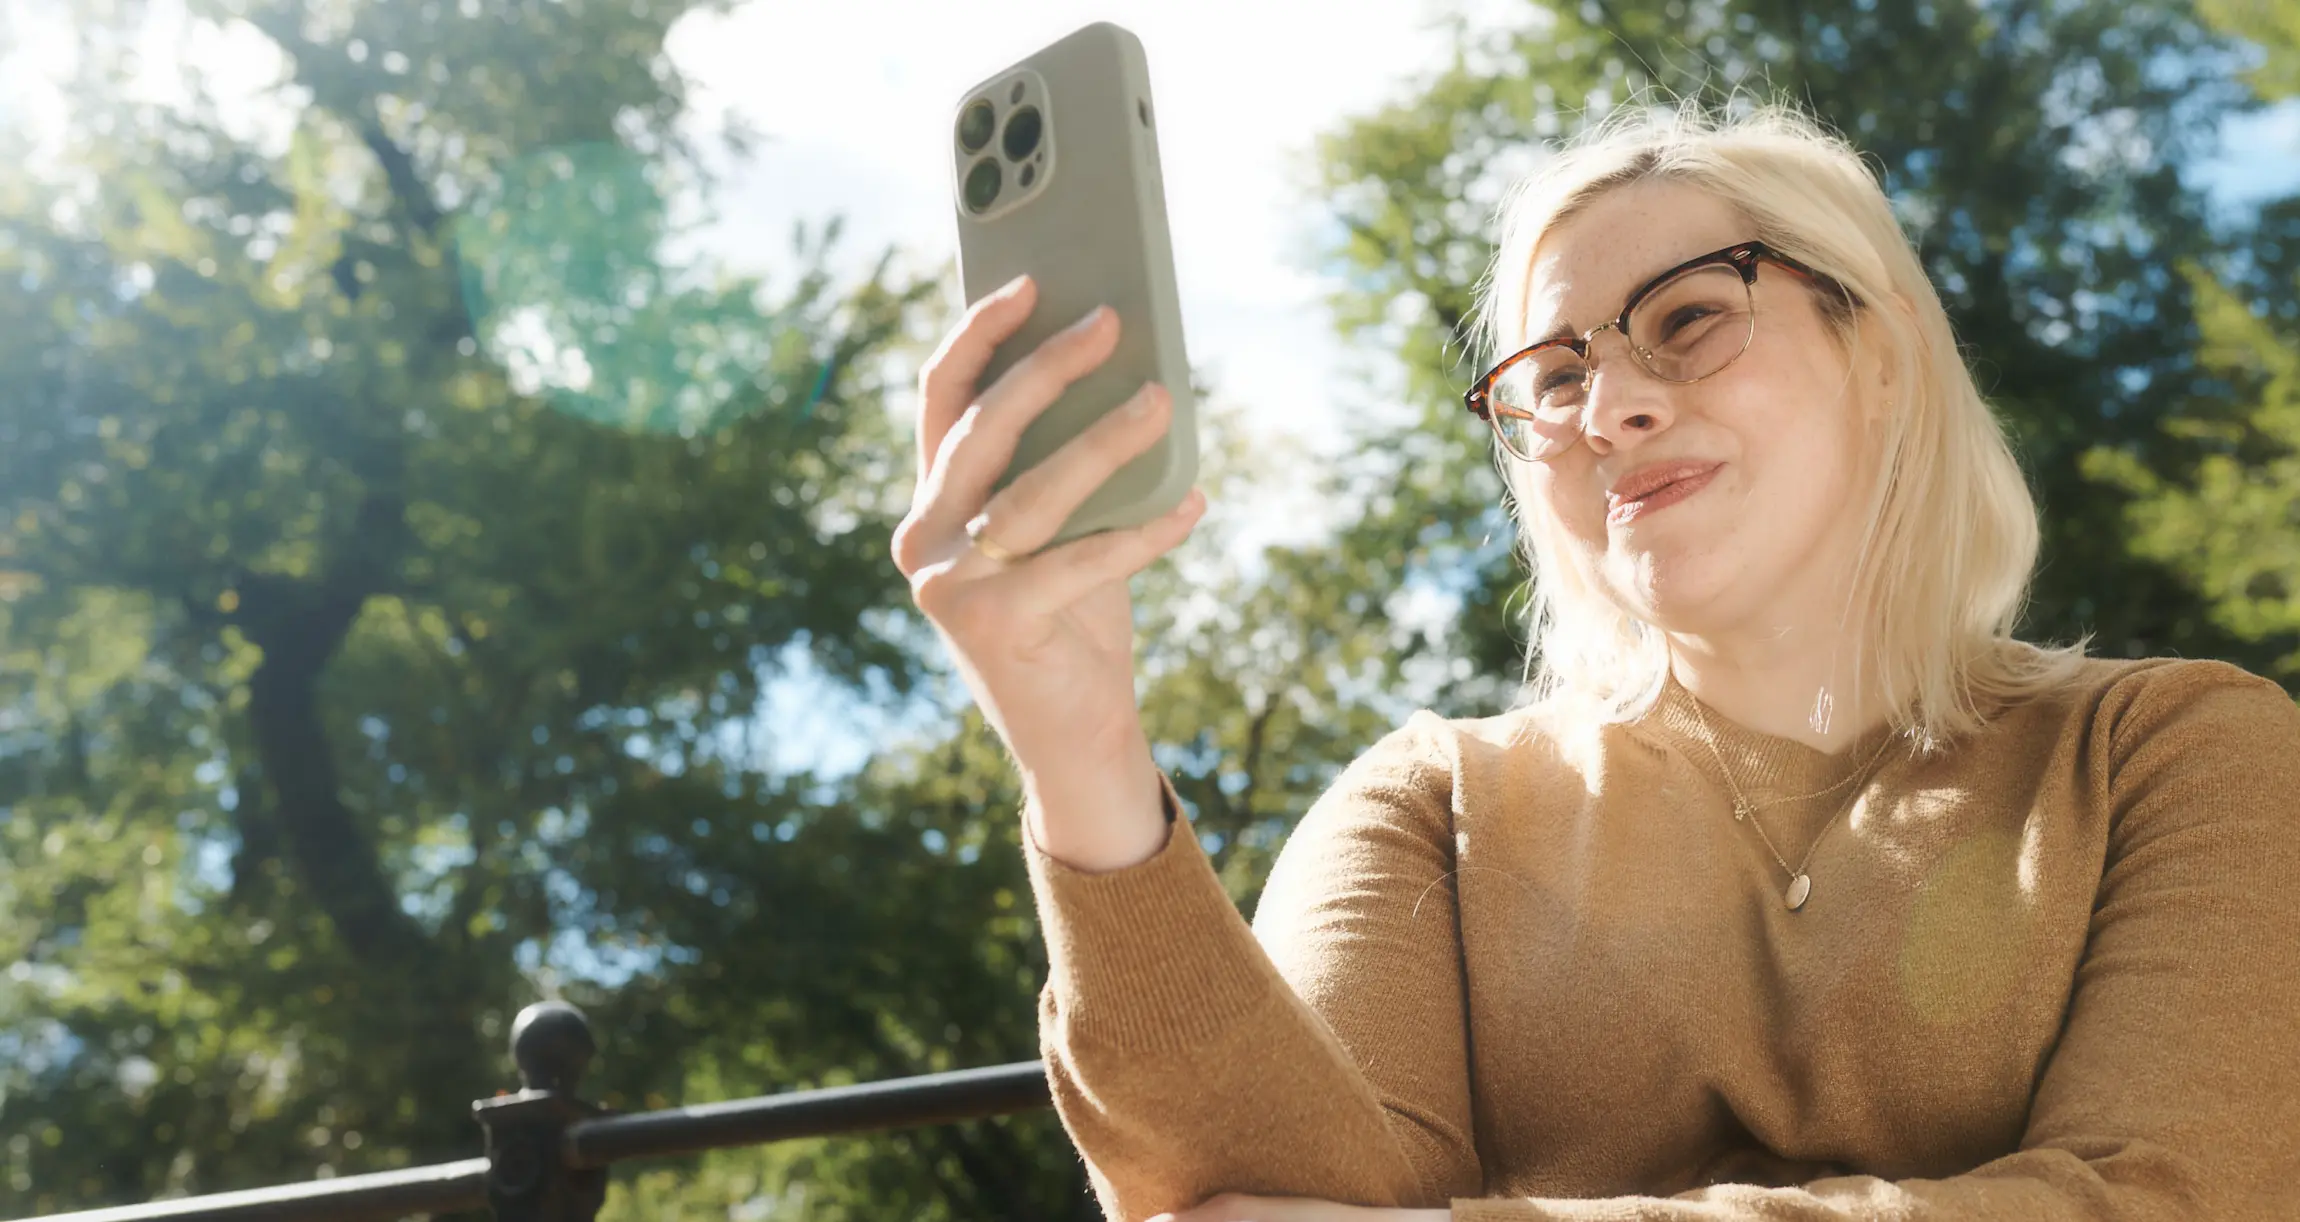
(1796, 684)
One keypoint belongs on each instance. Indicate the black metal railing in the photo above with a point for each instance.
(547, 1150)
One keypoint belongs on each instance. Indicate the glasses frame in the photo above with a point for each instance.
(1742, 257)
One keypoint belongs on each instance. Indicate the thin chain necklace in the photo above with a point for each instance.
(1800, 883)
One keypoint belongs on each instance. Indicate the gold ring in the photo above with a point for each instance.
(988, 546)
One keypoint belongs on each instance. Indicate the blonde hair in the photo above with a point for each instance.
(1950, 537)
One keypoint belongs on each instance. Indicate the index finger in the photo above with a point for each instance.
(946, 382)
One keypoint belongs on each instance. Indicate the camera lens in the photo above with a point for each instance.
(982, 184)
(975, 125)
(1022, 131)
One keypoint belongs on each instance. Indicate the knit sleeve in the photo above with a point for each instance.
(2174, 1091)
(1318, 1052)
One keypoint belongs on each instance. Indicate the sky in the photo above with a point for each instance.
(856, 99)
(855, 102)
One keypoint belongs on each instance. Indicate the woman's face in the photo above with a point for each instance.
(1762, 531)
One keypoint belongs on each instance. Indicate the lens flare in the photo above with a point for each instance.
(564, 272)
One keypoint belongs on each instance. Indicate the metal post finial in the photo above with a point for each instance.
(528, 1179)
(552, 1045)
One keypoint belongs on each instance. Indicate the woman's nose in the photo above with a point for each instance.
(1626, 403)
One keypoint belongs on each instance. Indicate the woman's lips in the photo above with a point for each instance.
(1621, 513)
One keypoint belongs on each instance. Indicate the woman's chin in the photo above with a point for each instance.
(1673, 593)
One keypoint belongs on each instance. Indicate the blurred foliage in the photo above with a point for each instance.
(331, 652)
(2228, 520)
(398, 549)
(2272, 29)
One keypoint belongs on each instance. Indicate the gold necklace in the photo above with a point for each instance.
(1800, 883)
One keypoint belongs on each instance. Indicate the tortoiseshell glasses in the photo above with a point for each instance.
(1682, 326)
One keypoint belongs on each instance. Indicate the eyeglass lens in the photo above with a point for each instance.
(1683, 331)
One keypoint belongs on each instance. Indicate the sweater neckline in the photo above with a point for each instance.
(1765, 767)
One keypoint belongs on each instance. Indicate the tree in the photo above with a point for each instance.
(2227, 518)
(392, 611)
(328, 637)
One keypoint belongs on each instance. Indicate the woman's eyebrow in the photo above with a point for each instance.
(1564, 329)
(1561, 329)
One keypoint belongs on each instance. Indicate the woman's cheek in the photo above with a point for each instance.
(1573, 500)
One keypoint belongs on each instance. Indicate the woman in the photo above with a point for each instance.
(1800, 890)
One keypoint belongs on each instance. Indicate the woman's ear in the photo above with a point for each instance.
(1880, 365)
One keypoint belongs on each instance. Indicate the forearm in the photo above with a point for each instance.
(2134, 1182)
(1183, 1065)
(1264, 1104)
(1321, 1053)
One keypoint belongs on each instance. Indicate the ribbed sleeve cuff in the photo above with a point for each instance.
(1150, 955)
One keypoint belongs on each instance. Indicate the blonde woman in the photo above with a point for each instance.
(1798, 890)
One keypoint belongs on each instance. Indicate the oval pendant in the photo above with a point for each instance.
(1799, 887)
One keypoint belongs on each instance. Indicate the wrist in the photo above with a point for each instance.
(1099, 818)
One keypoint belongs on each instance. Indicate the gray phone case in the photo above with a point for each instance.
(1091, 229)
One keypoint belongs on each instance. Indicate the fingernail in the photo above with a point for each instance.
(1143, 403)
(1014, 287)
(1093, 316)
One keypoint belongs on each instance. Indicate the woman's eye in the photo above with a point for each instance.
(1683, 317)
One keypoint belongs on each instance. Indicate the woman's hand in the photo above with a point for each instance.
(1045, 641)
(1238, 1207)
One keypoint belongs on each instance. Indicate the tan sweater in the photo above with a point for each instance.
(1541, 972)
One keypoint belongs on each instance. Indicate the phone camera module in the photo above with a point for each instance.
(982, 183)
(975, 126)
(1023, 129)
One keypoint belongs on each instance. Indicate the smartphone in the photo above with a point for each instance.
(1054, 172)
